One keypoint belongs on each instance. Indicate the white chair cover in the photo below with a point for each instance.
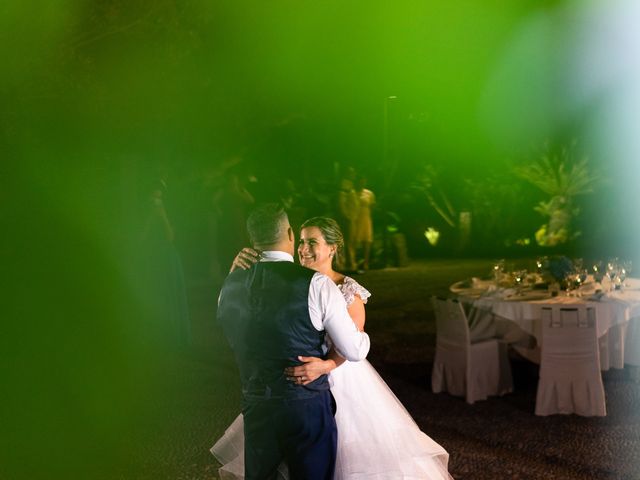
(473, 370)
(616, 337)
(603, 348)
(632, 343)
(570, 379)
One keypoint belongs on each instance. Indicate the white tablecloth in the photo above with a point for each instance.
(611, 309)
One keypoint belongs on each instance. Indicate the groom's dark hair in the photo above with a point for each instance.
(267, 225)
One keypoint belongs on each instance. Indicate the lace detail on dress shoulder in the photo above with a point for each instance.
(350, 288)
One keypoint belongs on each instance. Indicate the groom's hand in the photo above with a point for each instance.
(311, 369)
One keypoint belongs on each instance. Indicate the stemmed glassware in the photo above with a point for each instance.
(541, 263)
(519, 277)
(583, 274)
(613, 272)
(575, 280)
(498, 271)
(539, 269)
(625, 272)
(598, 271)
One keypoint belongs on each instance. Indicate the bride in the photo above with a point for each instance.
(377, 438)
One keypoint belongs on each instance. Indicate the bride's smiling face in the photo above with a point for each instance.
(313, 250)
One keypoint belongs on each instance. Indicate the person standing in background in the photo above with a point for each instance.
(347, 216)
(164, 292)
(364, 223)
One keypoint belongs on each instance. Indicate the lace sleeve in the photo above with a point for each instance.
(350, 288)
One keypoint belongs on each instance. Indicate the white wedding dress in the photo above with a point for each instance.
(377, 438)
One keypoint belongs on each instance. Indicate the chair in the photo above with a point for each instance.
(632, 343)
(632, 349)
(473, 370)
(616, 336)
(570, 379)
(603, 349)
(612, 347)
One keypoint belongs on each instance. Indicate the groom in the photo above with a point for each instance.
(271, 314)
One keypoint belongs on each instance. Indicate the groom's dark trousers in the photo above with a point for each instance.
(302, 431)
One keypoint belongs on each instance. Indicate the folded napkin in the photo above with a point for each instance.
(632, 283)
(499, 292)
(596, 297)
(483, 284)
(588, 289)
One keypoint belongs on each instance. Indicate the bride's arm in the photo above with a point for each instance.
(314, 367)
(245, 259)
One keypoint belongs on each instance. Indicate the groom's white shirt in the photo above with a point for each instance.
(328, 311)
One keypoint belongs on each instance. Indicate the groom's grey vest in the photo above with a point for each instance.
(264, 312)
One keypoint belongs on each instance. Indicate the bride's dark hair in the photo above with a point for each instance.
(330, 231)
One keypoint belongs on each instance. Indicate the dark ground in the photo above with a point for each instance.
(499, 438)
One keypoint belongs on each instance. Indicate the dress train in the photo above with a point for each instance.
(377, 438)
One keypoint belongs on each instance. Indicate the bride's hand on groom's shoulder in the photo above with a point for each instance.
(245, 259)
(311, 369)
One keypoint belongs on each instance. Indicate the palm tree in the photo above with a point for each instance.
(562, 178)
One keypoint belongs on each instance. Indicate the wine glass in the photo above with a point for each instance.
(612, 272)
(519, 278)
(541, 265)
(598, 271)
(569, 283)
(627, 266)
(622, 275)
(580, 278)
(498, 270)
(583, 275)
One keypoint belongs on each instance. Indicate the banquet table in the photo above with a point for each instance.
(514, 316)
(486, 303)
